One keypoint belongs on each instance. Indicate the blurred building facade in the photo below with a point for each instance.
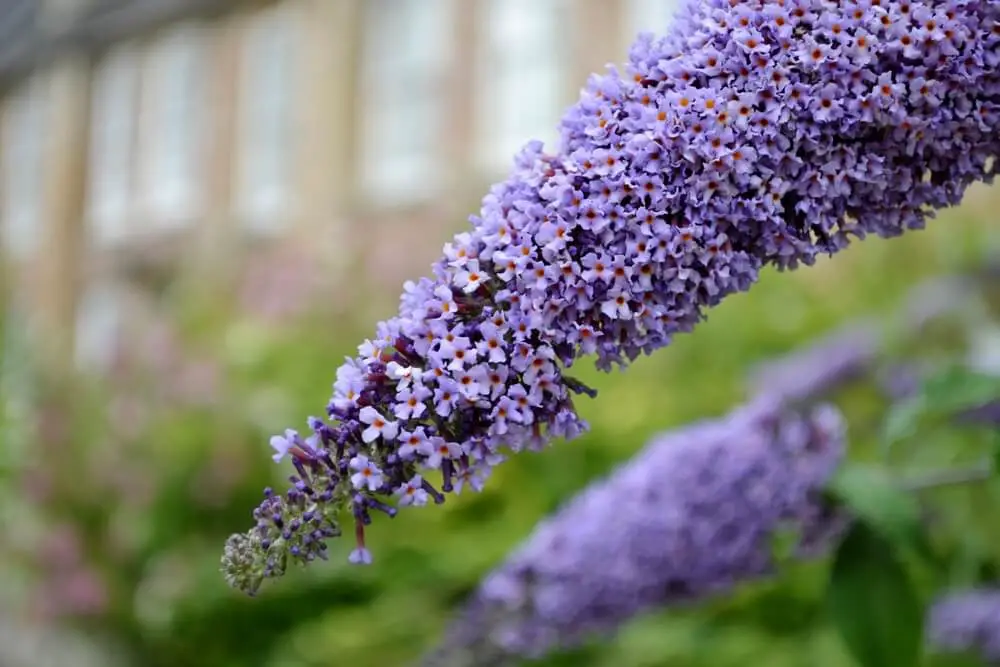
(146, 135)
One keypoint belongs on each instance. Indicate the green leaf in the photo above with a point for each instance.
(871, 494)
(903, 419)
(872, 602)
(967, 659)
(941, 397)
(996, 452)
(957, 388)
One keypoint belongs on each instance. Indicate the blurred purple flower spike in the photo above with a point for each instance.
(691, 516)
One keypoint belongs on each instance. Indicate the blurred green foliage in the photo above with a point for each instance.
(150, 482)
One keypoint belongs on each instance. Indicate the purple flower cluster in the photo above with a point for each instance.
(756, 133)
(691, 516)
(968, 621)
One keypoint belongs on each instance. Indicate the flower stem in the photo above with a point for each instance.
(958, 476)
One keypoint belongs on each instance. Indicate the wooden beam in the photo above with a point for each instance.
(597, 39)
(58, 264)
(460, 141)
(221, 137)
(326, 126)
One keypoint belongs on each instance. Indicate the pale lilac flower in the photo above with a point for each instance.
(446, 396)
(470, 278)
(445, 302)
(474, 477)
(457, 252)
(360, 556)
(404, 374)
(410, 403)
(442, 452)
(492, 346)
(378, 425)
(348, 387)
(282, 443)
(412, 492)
(413, 443)
(366, 474)
(472, 382)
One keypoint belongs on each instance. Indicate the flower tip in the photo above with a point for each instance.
(241, 563)
(360, 556)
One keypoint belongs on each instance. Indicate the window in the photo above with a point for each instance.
(98, 327)
(174, 114)
(23, 151)
(405, 61)
(266, 104)
(653, 16)
(521, 86)
(113, 133)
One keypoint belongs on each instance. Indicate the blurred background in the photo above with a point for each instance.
(205, 205)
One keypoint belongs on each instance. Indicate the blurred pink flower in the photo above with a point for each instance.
(195, 382)
(280, 284)
(80, 592)
(60, 549)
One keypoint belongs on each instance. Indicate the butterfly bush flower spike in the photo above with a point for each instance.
(691, 516)
(754, 134)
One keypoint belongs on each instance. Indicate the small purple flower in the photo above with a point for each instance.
(410, 403)
(378, 426)
(404, 374)
(492, 346)
(446, 396)
(412, 492)
(442, 451)
(471, 277)
(414, 442)
(444, 303)
(282, 443)
(474, 477)
(360, 556)
(366, 474)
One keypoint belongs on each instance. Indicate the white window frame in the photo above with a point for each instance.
(23, 152)
(266, 106)
(174, 120)
(114, 116)
(408, 45)
(522, 77)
